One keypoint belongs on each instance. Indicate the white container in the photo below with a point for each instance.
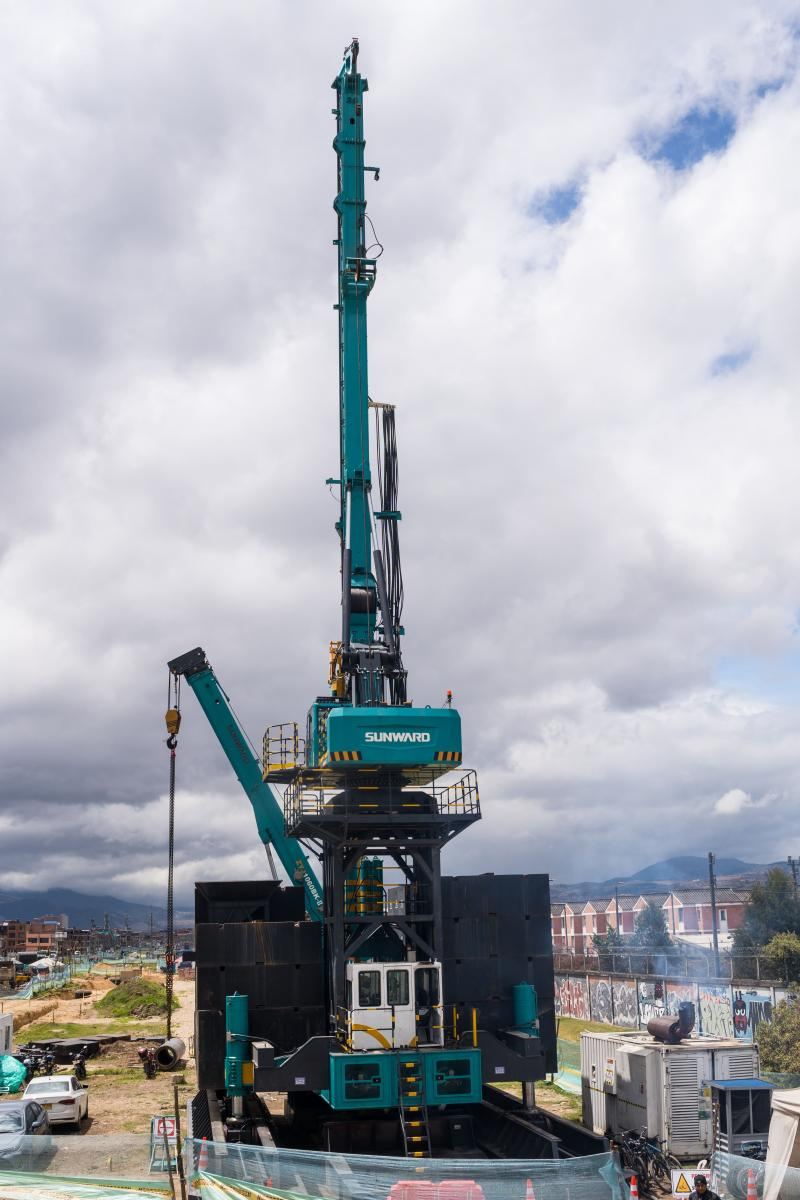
(631, 1081)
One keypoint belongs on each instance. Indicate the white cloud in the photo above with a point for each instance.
(593, 519)
(734, 801)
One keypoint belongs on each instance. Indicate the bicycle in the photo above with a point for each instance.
(650, 1157)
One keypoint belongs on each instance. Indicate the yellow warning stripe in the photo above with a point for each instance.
(346, 755)
(447, 756)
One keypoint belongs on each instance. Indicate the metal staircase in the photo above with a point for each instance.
(412, 1107)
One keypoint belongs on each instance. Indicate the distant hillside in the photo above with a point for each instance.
(680, 871)
(688, 867)
(83, 909)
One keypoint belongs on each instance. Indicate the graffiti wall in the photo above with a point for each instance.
(626, 1009)
(716, 1013)
(750, 1007)
(720, 1011)
(677, 993)
(601, 1003)
(652, 1000)
(572, 997)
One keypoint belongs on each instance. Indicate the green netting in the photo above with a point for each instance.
(287, 1173)
(781, 1079)
(18, 1185)
(87, 1167)
(568, 1077)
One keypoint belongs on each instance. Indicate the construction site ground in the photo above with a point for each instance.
(121, 1099)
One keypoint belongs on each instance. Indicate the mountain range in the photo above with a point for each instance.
(82, 909)
(680, 871)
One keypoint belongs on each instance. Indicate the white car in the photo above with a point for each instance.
(63, 1097)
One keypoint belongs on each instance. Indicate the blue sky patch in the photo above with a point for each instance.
(727, 363)
(699, 132)
(557, 204)
(774, 679)
(772, 85)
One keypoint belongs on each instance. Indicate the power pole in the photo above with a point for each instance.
(712, 885)
(793, 864)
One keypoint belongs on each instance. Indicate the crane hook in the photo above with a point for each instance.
(173, 720)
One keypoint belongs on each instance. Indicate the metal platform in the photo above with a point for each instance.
(317, 801)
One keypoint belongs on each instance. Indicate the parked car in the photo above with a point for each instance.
(64, 1097)
(21, 1120)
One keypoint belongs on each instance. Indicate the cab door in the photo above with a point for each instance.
(429, 1014)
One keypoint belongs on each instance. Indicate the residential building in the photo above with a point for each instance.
(13, 936)
(687, 913)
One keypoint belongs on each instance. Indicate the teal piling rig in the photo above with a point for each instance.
(363, 791)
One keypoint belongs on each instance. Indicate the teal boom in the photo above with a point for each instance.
(356, 278)
(266, 804)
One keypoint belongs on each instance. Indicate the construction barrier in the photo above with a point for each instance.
(736, 1177)
(288, 1173)
(568, 1077)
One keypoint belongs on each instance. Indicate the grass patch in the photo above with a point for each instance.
(568, 1105)
(571, 1028)
(115, 1074)
(137, 998)
(549, 1097)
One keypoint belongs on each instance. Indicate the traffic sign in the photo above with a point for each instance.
(163, 1129)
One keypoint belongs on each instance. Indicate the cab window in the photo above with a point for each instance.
(397, 990)
(426, 986)
(369, 989)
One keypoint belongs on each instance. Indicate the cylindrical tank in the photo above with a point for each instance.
(370, 886)
(170, 1053)
(526, 1008)
(237, 1043)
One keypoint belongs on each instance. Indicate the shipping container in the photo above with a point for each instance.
(631, 1081)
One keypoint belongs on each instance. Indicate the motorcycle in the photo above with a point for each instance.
(147, 1057)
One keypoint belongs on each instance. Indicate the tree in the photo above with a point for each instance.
(650, 931)
(651, 940)
(779, 1040)
(773, 908)
(782, 955)
(609, 947)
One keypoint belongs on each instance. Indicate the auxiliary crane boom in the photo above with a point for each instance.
(195, 668)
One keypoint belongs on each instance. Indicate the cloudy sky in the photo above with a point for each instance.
(587, 316)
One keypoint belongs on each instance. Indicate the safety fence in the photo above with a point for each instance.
(39, 984)
(122, 1166)
(731, 1175)
(676, 963)
(110, 1165)
(568, 1076)
(369, 1177)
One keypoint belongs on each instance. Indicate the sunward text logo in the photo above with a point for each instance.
(387, 735)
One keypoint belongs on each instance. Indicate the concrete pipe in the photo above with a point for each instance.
(169, 1054)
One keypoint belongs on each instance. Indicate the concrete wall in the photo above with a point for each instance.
(722, 1010)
